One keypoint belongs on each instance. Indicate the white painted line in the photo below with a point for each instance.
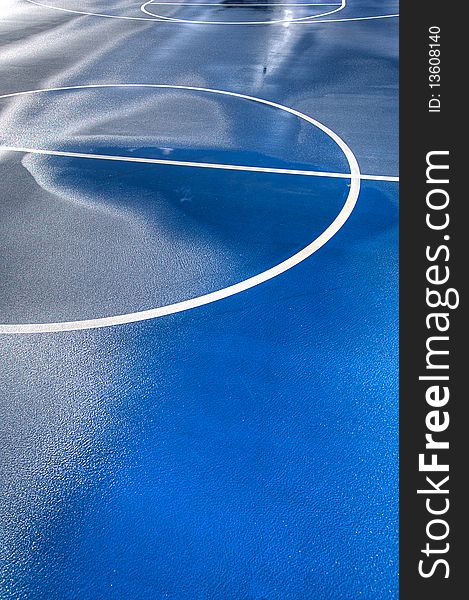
(349, 19)
(314, 246)
(161, 20)
(380, 178)
(244, 4)
(200, 165)
(88, 14)
(340, 7)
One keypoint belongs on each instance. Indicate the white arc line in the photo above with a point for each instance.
(200, 165)
(244, 4)
(340, 7)
(282, 267)
(156, 20)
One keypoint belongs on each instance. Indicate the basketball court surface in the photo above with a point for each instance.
(198, 299)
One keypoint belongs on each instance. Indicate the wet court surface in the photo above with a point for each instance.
(198, 225)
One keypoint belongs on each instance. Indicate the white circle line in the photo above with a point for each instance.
(155, 20)
(325, 236)
(340, 7)
(244, 5)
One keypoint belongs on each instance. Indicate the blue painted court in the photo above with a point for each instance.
(198, 299)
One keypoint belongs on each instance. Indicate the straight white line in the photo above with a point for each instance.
(379, 177)
(200, 165)
(346, 19)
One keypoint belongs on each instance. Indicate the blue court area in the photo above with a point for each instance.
(198, 299)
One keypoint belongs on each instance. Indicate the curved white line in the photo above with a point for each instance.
(346, 19)
(340, 7)
(285, 265)
(243, 4)
(90, 14)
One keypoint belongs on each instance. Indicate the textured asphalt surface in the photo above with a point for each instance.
(245, 449)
